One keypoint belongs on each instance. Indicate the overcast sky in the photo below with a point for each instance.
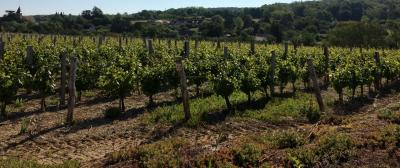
(34, 7)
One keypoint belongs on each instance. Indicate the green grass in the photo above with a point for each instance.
(52, 101)
(19, 103)
(206, 110)
(389, 115)
(89, 93)
(334, 149)
(17, 163)
(198, 108)
(281, 109)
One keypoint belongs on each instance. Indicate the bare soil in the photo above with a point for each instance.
(92, 137)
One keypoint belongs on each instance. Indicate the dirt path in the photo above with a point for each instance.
(92, 137)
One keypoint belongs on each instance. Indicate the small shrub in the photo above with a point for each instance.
(389, 115)
(312, 113)
(119, 156)
(389, 135)
(303, 157)
(217, 159)
(330, 150)
(287, 139)
(24, 125)
(333, 119)
(112, 113)
(313, 116)
(19, 103)
(335, 149)
(247, 156)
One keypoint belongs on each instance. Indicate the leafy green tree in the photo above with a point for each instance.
(238, 22)
(357, 34)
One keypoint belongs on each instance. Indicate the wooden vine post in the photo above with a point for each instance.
(145, 43)
(29, 56)
(252, 48)
(185, 94)
(286, 51)
(54, 40)
(169, 44)
(272, 73)
(120, 44)
(197, 44)
(63, 80)
(100, 43)
(317, 90)
(150, 47)
(74, 42)
(1, 49)
(377, 82)
(327, 60)
(72, 90)
(186, 50)
(30, 65)
(226, 52)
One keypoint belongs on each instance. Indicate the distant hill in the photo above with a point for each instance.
(306, 22)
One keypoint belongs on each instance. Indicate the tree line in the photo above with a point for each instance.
(307, 23)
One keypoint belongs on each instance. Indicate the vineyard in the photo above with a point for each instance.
(121, 101)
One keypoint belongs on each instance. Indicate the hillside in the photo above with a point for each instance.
(304, 22)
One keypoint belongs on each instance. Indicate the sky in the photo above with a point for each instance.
(35, 7)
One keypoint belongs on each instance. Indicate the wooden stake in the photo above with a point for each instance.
(377, 82)
(327, 60)
(63, 80)
(252, 48)
(272, 73)
(120, 43)
(1, 50)
(169, 44)
(197, 44)
(74, 42)
(185, 94)
(317, 90)
(226, 52)
(100, 43)
(218, 44)
(72, 90)
(151, 48)
(54, 40)
(186, 50)
(286, 46)
(29, 56)
(145, 45)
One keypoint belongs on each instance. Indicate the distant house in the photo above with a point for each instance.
(162, 21)
(261, 38)
(151, 21)
(138, 21)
